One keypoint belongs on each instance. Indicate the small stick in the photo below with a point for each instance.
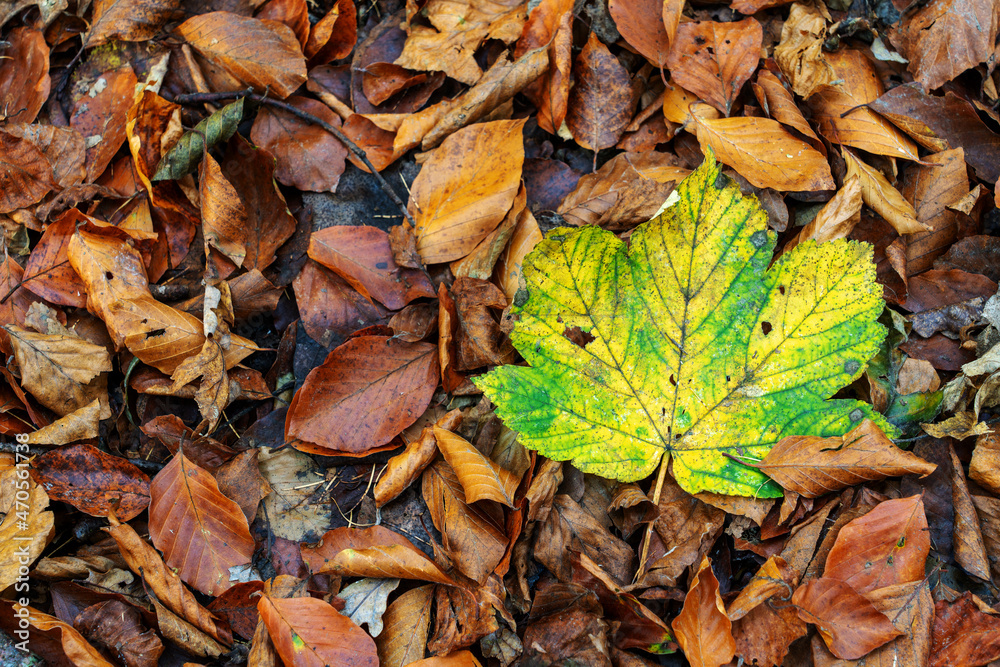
(201, 98)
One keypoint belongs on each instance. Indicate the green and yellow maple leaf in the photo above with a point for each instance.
(696, 348)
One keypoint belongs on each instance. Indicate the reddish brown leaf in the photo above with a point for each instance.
(641, 23)
(99, 115)
(703, 630)
(849, 624)
(812, 466)
(309, 157)
(93, 481)
(363, 395)
(334, 35)
(479, 339)
(118, 628)
(330, 308)
(886, 546)
(931, 189)
(25, 173)
(24, 75)
(129, 20)
(943, 39)
(201, 532)
(238, 606)
(603, 97)
(293, 13)
(963, 634)
(224, 218)
(550, 23)
(310, 633)
(259, 52)
(969, 548)
(57, 640)
(362, 256)
(714, 60)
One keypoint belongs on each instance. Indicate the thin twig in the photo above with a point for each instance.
(202, 98)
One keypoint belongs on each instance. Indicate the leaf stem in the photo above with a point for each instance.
(201, 98)
(660, 477)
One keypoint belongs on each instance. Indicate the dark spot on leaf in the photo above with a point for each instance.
(781, 290)
(852, 366)
(109, 275)
(578, 336)
(721, 181)
(759, 239)
(382, 265)
(558, 237)
(520, 297)
(765, 327)
(672, 380)
(856, 414)
(902, 541)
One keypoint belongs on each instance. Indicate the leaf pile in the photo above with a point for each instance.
(495, 332)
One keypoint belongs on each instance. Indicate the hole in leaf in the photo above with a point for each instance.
(765, 327)
(578, 336)
(109, 275)
(728, 378)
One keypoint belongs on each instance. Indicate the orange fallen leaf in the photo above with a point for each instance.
(882, 197)
(703, 630)
(259, 52)
(310, 633)
(714, 60)
(465, 189)
(849, 624)
(765, 153)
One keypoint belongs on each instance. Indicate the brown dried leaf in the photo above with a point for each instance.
(765, 153)
(224, 218)
(842, 117)
(25, 173)
(403, 639)
(371, 552)
(363, 395)
(780, 104)
(202, 533)
(943, 39)
(570, 526)
(481, 478)
(772, 579)
(632, 177)
(886, 546)
(333, 36)
(168, 588)
(329, 307)
(970, 550)
(93, 481)
(603, 97)
(473, 535)
(812, 466)
(308, 157)
(307, 631)
(879, 195)
(259, 52)
(465, 188)
(507, 272)
(800, 52)
(61, 370)
(703, 630)
(129, 20)
(641, 23)
(714, 60)
(24, 75)
(931, 188)
(118, 628)
(479, 340)
(404, 468)
(849, 624)
(963, 634)
(362, 256)
(837, 218)
(550, 24)
(59, 642)
(99, 115)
